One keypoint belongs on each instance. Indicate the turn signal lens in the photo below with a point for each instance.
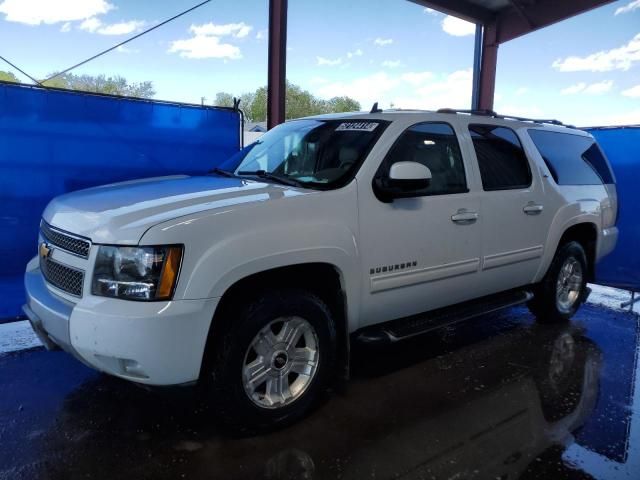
(169, 272)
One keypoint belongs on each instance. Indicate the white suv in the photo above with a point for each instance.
(254, 279)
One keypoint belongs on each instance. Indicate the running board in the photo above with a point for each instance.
(408, 327)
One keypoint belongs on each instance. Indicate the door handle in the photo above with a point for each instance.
(464, 217)
(533, 208)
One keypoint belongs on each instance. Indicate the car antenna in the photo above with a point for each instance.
(375, 108)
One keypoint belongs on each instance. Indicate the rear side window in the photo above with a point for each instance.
(435, 146)
(572, 159)
(502, 161)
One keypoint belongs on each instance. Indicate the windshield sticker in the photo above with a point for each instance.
(357, 127)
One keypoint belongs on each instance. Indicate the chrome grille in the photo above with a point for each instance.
(67, 242)
(65, 278)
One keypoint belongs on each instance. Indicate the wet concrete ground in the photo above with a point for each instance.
(497, 397)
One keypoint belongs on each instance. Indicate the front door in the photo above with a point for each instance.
(423, 252)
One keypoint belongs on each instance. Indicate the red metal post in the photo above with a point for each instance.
(277, 77)
(488, 67)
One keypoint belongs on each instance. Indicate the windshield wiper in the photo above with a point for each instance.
(270, 176)
(222, 172)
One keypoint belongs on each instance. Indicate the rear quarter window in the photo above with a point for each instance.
(572, 159)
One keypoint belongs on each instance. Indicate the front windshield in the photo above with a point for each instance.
(315, 153)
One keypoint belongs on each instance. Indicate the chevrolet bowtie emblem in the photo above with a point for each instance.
(45, 250)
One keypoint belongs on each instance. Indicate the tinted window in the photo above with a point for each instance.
(572, 159)
(435, 146)
(502, 161)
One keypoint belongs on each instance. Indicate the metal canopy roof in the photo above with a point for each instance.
(498, 22)
(513, 18)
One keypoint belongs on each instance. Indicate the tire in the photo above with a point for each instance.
(568, 271)
(285, 342)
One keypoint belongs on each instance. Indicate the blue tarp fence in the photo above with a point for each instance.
(622, 146)
(56, 141)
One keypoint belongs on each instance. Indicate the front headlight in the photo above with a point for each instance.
(136, 273)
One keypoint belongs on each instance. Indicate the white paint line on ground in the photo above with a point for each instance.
(16, 336)
(611, 298)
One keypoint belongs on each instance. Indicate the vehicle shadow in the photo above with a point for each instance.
(480, 400)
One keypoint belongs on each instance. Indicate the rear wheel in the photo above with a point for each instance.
(563, 289)
(274, 361)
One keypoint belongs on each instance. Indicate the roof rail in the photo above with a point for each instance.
(492, 114)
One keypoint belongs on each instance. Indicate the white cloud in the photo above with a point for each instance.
(205, 47)
(573, 89)
(526, 111)
(522, 91)
(621, 58)
(417, 78)
(318, 81)
(322, 61)
(36, 12)
(450, 91)
(630, 7)
(237, 30)
(589, 89)
(457, 27)
(599, 88)
(633, 92)
(392, 64)
(366, 90)
(206, 41)
(631, 117)
(430, 11)
(383, 42)
(262, 34)
(122, 28)
(332, 62)
(90, 25)
(410, 90)
(95, 25)
(123, 49)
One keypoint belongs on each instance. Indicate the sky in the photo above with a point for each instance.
(584, 71)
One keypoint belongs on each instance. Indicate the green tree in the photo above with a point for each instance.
(343, 104)
(223, 99)
(115, 85)
(299, 103)
(258, 106)
(8, 77)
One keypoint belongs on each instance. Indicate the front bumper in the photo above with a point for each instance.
(155, 343)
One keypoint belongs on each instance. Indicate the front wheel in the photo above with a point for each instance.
(274, 361)
(563, 289)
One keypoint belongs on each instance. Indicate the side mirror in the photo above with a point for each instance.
(405, 180)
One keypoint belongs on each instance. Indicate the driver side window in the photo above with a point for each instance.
(435, 146)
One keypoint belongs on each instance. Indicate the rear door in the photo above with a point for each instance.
(516, 218)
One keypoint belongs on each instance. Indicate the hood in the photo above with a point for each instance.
(120, 213)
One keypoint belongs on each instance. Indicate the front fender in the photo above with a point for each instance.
(223, 247)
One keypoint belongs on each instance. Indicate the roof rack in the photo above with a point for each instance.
(492, 114)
